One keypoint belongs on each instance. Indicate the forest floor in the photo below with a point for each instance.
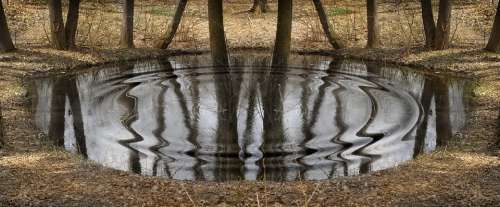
(33, 173)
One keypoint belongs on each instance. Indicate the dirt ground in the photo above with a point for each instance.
(33, 173)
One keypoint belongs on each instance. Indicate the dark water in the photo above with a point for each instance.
(316, 120)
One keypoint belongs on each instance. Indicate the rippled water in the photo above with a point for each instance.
(182, 119)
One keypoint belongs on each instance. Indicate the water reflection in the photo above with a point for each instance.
(337, 118)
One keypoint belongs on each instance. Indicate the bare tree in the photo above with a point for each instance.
(428, 21)
(127, 33)
(373, 29)
(283, 33)
(72, 22)
(57, 34)
(6, 44)
(63, 36)
(494, 42)
(327, 28)
(218, 45)
(437, 36)
(173, 25)
(259, 4)
(442, 40)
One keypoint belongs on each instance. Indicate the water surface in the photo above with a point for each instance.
(179, 118)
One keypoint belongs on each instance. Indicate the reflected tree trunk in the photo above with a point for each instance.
(442, 37)
(304, 106)
(127, 31)
(57, 31)
(76, 110)
(72, 22)
(66, 89)
(6, 44)
(227, 95)
(189, 119)
(425, 100)
(494, 41)
(332, 37)
(218, 45)
(173, 25)
(158, 132)
(429, 23)
(57, 111)
(443, 119)
(283, 40)
(373, 27)
(272, 90)
(130, 103)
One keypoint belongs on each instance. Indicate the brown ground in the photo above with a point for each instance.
(466, 173)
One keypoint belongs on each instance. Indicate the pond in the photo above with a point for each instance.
(180, 118)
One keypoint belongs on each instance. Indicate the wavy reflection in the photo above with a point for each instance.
(247, 122)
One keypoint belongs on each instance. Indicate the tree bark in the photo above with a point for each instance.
(72, 22)
(6, 44)
(217, 36)
(442, 38)
(283, 33)
(333, 39)
(259, 4)
(373, 29)
(428, 22)
(127, 33)
(263, 6)
(494, 41)
(173, 25)
(58, 37)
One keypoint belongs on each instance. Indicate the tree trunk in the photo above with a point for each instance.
(283, 33)
(494, 42)
(255, 5)
(442, 38)
(428, 21)
(373, 29)
(174, 24)
(127, 33)
(57, 33)
(261, 4)
(217, 36)
(6, 44)
(327, 28)
(72, 22)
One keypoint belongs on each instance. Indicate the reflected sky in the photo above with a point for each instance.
(182, 119)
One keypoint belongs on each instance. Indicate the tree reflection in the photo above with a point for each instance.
(231, 123)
